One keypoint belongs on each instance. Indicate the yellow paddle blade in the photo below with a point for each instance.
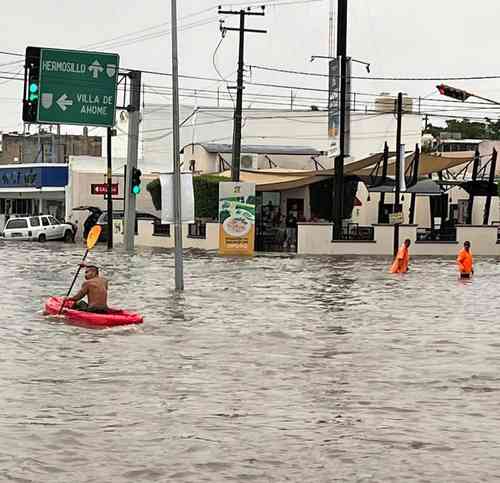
(93, 236)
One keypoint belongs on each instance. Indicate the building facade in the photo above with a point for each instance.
(47, 147)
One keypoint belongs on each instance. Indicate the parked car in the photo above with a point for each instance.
(39, 228)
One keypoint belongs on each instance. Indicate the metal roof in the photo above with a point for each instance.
(262, 149)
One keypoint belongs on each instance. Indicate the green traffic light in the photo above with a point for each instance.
(33, 88)
(136, 190)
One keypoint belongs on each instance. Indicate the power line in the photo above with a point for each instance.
(314, 74)
(11, 53)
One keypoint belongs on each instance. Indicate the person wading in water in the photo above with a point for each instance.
(402, 260)
(464, 261)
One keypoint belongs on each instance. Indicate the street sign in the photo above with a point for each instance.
(102, 189)
(77, 87)
(396, 218)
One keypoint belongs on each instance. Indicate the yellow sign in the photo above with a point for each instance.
(236, 218)
(396, 218)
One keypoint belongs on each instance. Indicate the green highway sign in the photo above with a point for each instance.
(77, 87)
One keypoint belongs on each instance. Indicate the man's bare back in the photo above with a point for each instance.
(95, 289)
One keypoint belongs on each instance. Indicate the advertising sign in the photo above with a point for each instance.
(333, 107)
(236, 218)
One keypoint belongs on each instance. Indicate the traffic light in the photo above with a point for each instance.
(453, 92)
(31, 84)
(136, 181)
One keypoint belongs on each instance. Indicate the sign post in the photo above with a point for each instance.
(74, 87)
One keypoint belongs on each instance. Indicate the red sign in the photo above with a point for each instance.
(102, 189)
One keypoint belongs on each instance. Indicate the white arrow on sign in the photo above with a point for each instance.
(96, 68)
(63, 102)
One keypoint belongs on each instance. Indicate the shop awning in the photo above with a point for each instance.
(424, 187)
(280, 180)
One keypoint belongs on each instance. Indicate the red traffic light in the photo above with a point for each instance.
(453, 92)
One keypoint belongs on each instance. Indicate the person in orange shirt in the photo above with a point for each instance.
(465, 262)
(400, 264)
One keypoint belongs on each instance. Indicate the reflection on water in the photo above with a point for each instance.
(265, 369)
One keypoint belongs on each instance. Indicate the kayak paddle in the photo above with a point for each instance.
(92, 238)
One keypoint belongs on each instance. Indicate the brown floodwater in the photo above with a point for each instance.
(269, 369)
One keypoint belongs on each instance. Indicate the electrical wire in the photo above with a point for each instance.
(223, 36)
(443, 78)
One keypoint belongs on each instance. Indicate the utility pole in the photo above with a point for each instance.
(235, 165)
(179, 269)
(398, 169)
(134, 111)
(109, 174)
(338, 202)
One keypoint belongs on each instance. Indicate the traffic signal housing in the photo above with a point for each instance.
(136, 181)
(453, 92)
(31, 84)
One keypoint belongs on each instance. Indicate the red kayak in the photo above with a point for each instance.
(112, 318)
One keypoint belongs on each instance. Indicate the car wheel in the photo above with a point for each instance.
(42, 238)
(68, 236)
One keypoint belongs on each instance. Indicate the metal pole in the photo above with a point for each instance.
(475, 169)
(339, 160)
(381, 202)
(179, 269)
(134, 110)
(235, 165)
(110, 191)
(58, 144)
(398, 169)
(491, 180)
(416, 164)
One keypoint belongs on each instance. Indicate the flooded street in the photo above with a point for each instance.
(303, 369)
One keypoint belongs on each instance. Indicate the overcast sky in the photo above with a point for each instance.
(399, 38)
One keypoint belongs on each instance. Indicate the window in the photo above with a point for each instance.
(160, 230)
(197, 230)
(17, 224)
(34, 221)
(45, 221)
(53, 221)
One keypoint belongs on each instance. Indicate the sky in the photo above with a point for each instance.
(400, 38)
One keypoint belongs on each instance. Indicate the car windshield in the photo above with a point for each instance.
(53, 221)
(16, 224)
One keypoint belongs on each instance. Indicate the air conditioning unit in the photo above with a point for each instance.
(249, 161)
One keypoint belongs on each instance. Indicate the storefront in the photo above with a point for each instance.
(33, 189)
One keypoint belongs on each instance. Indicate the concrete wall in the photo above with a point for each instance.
(316, 239)
(78, 193)
(145, 237)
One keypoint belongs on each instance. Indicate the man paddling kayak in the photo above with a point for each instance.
(400, 264)
(465, 262)
(95, 288)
